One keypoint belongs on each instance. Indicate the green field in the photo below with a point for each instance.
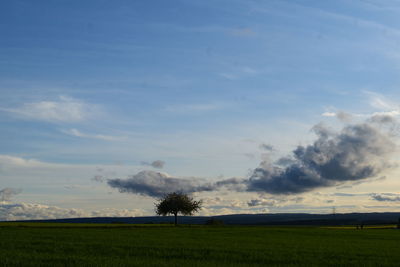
(23, 244)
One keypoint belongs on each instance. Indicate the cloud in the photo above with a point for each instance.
(6, 160)
(261, 202)
(358, 152)
(7, 193)
(273, 201)
(380, 102)
(344, 116)
(64, 109)
(267, 147)
(384, 117)
(329, 114)
(77, 133)
(159, 164)
(386, 197)
(29, 211)
(98, 178)
(157, 184)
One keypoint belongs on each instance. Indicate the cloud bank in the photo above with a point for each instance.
(356, 153)
(29, 211)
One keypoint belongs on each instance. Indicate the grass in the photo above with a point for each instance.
(44, 244)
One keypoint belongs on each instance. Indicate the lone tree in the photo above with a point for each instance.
(174, 203)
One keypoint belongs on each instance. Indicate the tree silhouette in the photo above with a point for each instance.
(174, 203)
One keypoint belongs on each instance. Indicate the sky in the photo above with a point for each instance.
(251, 106)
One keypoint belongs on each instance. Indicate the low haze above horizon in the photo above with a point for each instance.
(251, 106)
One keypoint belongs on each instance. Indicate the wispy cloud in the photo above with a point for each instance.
(7, 161)
(361, 22)
(77, 133)
(385, 110)
(63, 109)
(380, 102)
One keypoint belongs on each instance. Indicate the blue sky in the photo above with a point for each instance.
(108, 85)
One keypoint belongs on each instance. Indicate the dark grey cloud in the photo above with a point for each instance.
(358, 152)
(260, 202)
(386, 197)
(267, 147)
(382, 119)
(159, 164)
(233, 184)
(285, 161)
(7, 193)
(273, 201)
(156, 184)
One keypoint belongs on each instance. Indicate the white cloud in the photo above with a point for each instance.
(29, 211)
(391, 113)
(64, 109)
(7, 161)
(77, 133)
(380, 102)
(329, 114)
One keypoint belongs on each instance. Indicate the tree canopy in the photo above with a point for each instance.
(175, 203)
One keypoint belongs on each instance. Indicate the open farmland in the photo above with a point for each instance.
(35, 244)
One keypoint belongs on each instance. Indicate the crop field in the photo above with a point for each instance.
(46, 244)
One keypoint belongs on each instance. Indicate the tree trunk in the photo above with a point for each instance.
(176, 219)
